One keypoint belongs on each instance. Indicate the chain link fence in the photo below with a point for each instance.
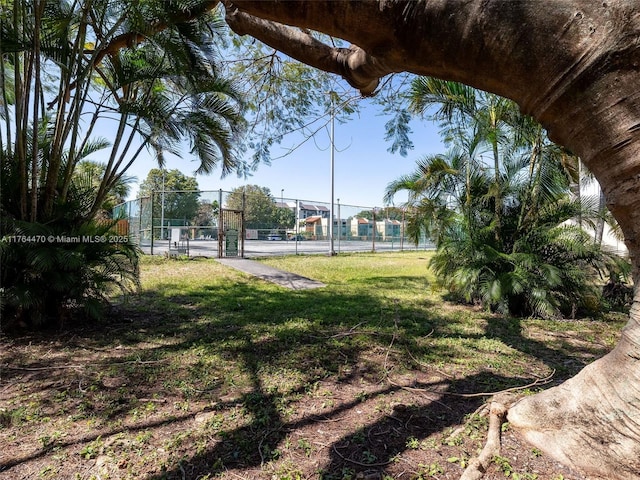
(254, 223)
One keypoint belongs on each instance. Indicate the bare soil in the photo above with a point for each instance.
(74, 408)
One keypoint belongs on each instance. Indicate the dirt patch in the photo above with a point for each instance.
(72, 409)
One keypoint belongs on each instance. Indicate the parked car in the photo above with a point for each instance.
(296, 237)
(274, 236)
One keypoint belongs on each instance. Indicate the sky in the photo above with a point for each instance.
(362, 165)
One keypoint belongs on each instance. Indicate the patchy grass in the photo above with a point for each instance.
(209, 373)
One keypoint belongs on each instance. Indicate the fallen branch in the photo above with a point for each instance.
(431, 367)
(393, 339)
(352, 331)
(37, 369)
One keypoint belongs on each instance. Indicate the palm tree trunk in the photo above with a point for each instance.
(5, 106)
(37, 96)
(20, 112)
(602, 207)
(577, 189)
(498, 193)
(533, 175)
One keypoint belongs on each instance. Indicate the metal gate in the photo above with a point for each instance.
(231, 233)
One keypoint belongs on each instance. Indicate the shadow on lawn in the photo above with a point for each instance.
(271, 329)
(360, 448)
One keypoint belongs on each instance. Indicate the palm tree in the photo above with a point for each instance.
(145, 71)
(461, 108)
(539, 264)
(442, 190)
(88, 175)
(68, 81)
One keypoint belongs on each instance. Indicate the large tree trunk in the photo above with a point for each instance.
(590, 422)
(573, 65)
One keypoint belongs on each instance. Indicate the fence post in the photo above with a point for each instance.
(297, 220)
(339, 226)
(243, 233)
(373, 239)
(402, 232)
(152, 217)
(220, 226)
(139, 201)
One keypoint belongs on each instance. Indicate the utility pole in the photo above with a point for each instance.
(162, 208)
(331, 247)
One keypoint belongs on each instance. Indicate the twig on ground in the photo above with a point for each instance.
(351, 331)
(37, 369)
(423, 392)
(56, 367)
(539, 381)
(316, 418)
(140, 362)
(260, 449)
(265, 436)
(393, 339)
(431, 367)
(184, 474)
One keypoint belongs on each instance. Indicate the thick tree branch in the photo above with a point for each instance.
(357, 67)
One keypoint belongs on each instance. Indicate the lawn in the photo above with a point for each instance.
(209, 373)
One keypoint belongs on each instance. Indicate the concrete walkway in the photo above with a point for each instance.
(270, 274)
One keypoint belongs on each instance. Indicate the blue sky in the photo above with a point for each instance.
(362, 168)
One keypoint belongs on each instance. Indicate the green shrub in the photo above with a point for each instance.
(51, 272)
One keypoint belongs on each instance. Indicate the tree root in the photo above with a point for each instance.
(497, 416)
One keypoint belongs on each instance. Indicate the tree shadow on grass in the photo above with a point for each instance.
(359, 443)
(563, 356)
(176, 345)
(157, 351)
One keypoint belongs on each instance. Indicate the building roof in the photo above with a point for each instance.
(315, 208)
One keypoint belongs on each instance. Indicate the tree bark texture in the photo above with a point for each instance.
(571, 64)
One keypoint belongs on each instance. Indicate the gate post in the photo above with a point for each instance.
(152, 212)
(220, 225)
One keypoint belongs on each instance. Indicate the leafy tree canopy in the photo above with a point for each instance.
(179, 193)
(207, 213)
(260, 210)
